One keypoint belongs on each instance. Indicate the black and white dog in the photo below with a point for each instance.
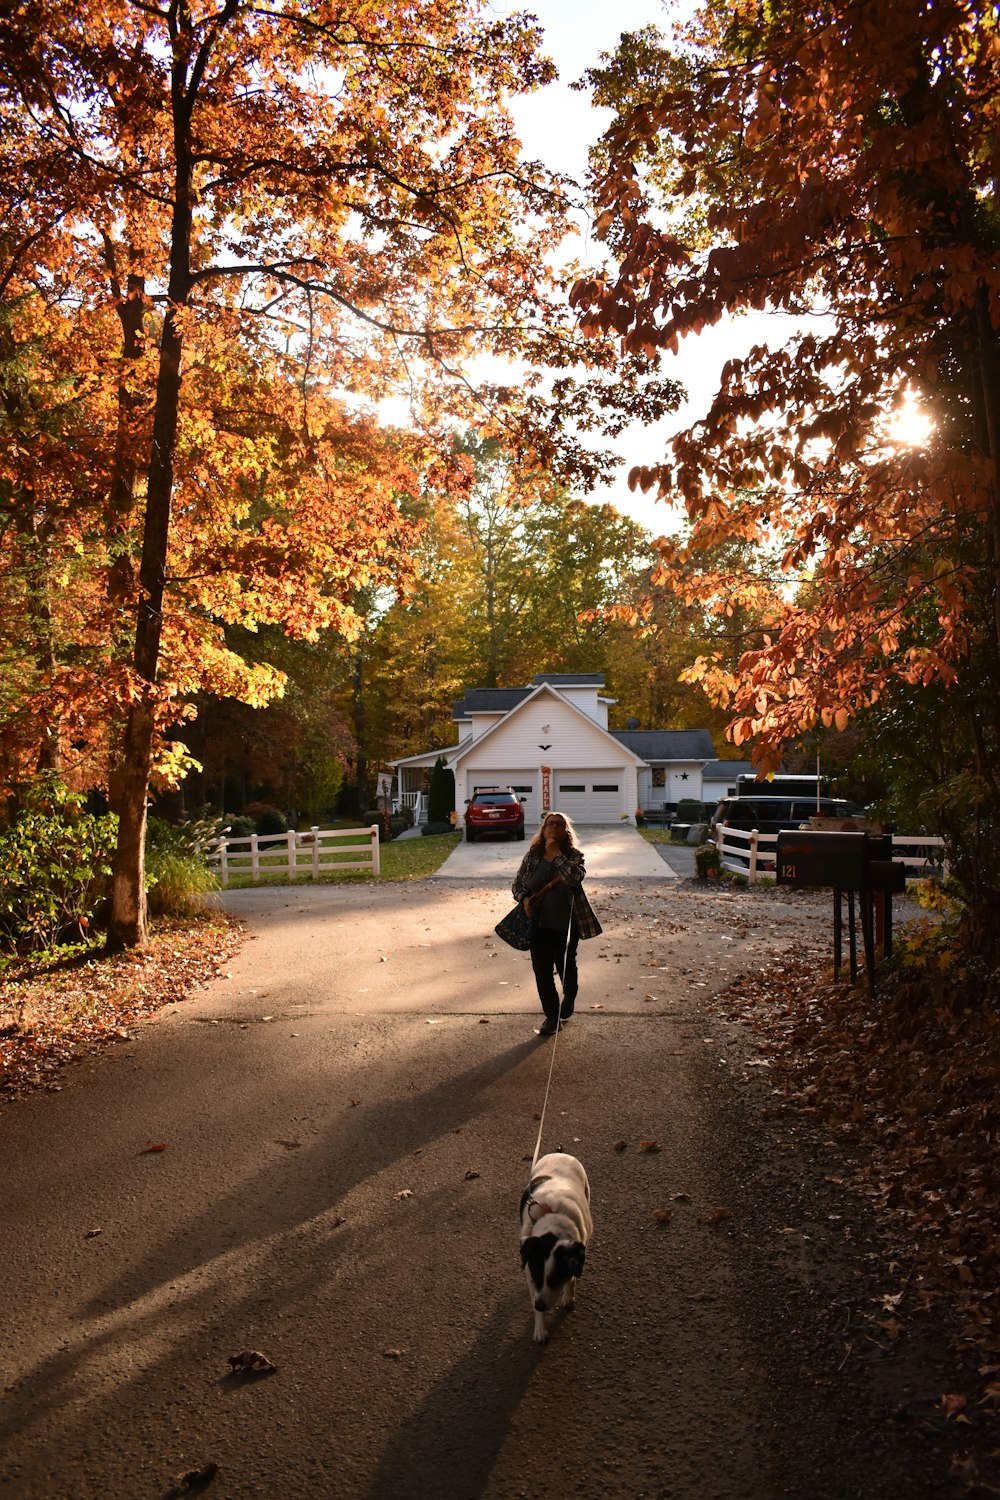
(555, 1228)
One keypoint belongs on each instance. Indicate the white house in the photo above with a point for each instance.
(550, 741)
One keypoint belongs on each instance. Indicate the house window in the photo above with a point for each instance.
(600, 787)
(659, 775)
(572, 788)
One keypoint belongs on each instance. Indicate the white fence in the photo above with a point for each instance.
(753, 854)
(296, 856)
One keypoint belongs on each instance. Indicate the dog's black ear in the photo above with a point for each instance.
(524, 1254)
(574, 1257)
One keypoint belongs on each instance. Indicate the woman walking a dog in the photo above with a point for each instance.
(549, 885)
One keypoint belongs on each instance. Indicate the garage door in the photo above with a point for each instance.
(590, 796)
(523, 783)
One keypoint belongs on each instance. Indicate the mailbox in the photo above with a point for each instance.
(848, 862)
(810, 857)
(887, 876)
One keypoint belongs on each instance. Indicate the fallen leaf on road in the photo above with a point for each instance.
(681, 1197)
(393, 1353)
(93, 1233)
(952, 1402)
(650, 1146)
(621, 1145)
(405, 1193)
(470, 1176)
(251, 1359)
(289, 1145)
(719, 1214)
(663, 1215)
(156, 1146)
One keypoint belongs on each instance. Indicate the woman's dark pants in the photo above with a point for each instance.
(548, 951)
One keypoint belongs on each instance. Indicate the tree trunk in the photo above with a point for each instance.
(127, 924)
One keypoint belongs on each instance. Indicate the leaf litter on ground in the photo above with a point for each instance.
(54, 1014)
(908, 1078)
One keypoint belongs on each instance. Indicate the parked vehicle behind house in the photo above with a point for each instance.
(494, 810)
(776, 814)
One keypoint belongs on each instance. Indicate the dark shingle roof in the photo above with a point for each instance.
(488, 701)
(718, 770)
(668, 744)
(570, 679)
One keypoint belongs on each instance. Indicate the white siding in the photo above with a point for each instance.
(683, 780)
(547, 732)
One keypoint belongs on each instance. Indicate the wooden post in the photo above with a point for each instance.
(223, 862)
(753, 857)
(254, 856)
(376, 867)
(315, 836)
(292, 840)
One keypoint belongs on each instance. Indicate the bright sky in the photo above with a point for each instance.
(556, 126)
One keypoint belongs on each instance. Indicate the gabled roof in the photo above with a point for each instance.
(428, 757)
(546, 688)
(570, 679)
(667, 744)
(488, 701)
(722, 770)
(502, 700)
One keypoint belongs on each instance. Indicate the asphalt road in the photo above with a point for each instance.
(346, 1116)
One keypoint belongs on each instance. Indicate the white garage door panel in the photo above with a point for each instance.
(590, 796)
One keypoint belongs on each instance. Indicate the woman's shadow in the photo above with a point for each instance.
(450, 1444)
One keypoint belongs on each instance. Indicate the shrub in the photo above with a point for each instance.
(240, 828)
(440, 793)
(176, 871)
(56, 860)
(437, 827)
(707, 861)
(268, 819)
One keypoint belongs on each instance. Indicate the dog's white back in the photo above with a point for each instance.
(555, 1227)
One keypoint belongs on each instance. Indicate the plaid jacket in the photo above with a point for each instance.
(571, 870)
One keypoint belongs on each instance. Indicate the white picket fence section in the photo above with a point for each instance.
(753, 854)
(296, 856)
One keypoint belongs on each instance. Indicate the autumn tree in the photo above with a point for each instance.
(836, 158)
(512, 577)
(234, 207)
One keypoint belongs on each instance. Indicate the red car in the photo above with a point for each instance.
(494, 809)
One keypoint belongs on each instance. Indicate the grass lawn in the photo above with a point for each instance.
(658, 836)
(408, 859)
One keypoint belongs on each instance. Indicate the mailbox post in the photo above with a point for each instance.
(853, 864)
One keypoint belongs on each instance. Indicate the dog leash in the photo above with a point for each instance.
(555, 1039)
